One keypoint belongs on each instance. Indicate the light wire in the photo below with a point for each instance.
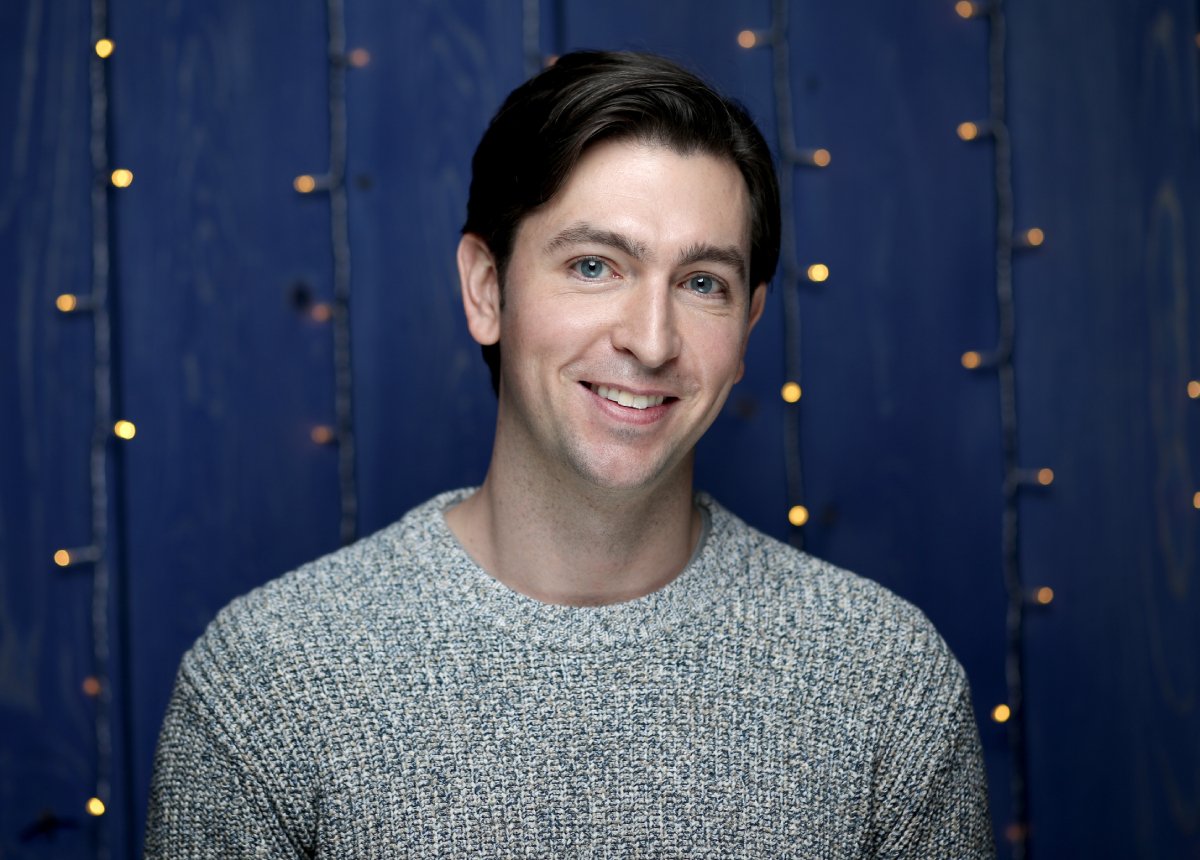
(1006, 377)
(102, 421)
(340, 242)
(788, 279)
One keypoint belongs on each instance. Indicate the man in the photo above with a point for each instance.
(582, 657)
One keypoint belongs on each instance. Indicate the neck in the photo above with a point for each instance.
(569, 543)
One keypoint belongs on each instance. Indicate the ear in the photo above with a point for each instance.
(758, 301)
(480, 282)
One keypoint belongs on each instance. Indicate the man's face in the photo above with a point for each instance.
(626, 316)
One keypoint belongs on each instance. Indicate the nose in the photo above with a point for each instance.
(646, 327)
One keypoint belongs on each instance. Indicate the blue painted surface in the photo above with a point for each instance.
(47, 749)
(217, 106)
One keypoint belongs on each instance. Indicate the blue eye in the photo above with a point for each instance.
(703, 284)
(591, 268)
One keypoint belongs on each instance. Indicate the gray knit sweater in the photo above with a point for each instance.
(393, 700)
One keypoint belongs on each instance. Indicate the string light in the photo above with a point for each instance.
(790, 392)
(1016, 832)
(1044, 596)
(1196, 501)
(359, 57)
(1001, 358)
(304, 183)
(817, 273)
(819, 157)
(69, 303)
(1034, 477)
(76, 556)
(967, 9)
(322, 434)
(339, 235)
(1193, 389)
(102, 517)
(1031, 238)
(749, 38)
(124, 429)
(969, 131)
(776, 37)
(321, 312)
(91, 686)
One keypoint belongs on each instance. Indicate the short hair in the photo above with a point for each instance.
(545, 125)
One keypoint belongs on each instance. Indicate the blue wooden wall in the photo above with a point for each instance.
(217, 106)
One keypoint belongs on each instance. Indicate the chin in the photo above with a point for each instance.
(623, 476)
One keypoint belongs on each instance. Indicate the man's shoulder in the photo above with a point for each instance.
(820, 605)
(325, 604)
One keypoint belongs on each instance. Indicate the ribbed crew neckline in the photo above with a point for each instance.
(689, 597)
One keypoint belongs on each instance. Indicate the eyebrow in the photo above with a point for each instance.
(584, 233)
(703, 253)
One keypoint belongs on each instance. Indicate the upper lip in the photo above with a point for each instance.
(644, 392)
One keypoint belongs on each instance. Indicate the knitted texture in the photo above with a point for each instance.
(393, 700)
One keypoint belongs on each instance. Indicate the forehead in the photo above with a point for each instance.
(654, 194)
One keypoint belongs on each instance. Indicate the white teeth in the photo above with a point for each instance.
(635, 401)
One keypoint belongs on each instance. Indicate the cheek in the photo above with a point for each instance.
(555, 323)
(538, 340)
(718, 348)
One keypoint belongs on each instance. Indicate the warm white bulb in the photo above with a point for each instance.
(798, 515)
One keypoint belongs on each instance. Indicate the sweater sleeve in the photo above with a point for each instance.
(931, 787)
(230, 773)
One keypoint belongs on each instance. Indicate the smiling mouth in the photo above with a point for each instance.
(627, 398)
